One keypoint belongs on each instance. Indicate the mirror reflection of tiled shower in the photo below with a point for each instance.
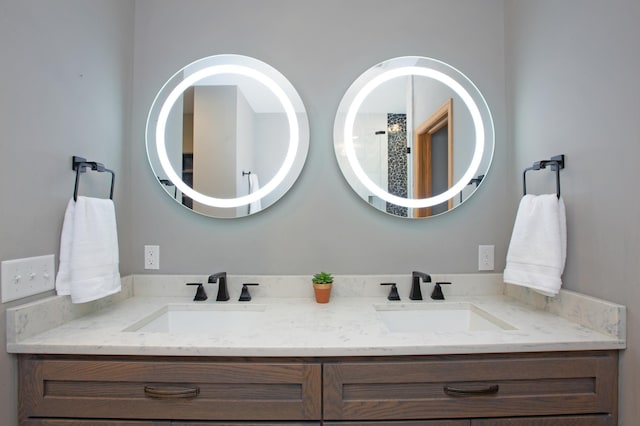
(381, 147)
(397, 160)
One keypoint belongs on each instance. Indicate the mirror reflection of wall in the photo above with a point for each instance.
(408, 168)
(414, 138)
(234, 136)
(221, 137)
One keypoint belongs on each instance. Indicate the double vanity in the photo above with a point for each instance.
(489, 354)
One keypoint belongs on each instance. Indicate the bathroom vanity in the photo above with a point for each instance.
(576, 388)
(527, 361)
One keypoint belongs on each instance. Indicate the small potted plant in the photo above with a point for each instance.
(322, 283)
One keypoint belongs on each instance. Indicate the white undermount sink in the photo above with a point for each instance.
(438, 316)
(226, 319)
(209, 319)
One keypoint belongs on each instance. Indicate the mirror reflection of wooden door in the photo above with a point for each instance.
(429, 136)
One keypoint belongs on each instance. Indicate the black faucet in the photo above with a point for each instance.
(416, 293)
(223, 293)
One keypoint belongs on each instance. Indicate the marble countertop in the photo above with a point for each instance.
(297, 326)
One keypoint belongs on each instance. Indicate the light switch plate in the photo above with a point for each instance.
(26, 277)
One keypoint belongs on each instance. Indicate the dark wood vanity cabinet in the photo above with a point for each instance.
(141, 388)
(533, 389)
(475, 387)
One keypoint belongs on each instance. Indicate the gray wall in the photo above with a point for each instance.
(573, 67)
(322, 47)
(77, 65)
(65, 86)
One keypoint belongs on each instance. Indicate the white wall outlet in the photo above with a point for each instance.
(151, 257)
(485, 258)
(26, 277)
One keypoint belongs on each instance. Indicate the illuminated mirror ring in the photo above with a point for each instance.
(458, 89)
(207, 72)
(427, 110)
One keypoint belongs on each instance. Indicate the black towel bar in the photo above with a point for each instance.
(248, 187)
(79, 165)
(555, 163)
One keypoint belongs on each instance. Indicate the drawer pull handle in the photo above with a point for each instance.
(171, 392)
(453, 391)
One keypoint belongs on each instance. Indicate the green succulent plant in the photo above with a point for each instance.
(322, 278)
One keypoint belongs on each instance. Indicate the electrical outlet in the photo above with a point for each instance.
(151, 257)
(26, 277)
(485, 258)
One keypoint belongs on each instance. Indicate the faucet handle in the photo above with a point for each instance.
(437, 291)
(201, 295)
(244, 294)
(393, 293)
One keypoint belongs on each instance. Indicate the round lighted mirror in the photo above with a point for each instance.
(227, 136)
(413, 137)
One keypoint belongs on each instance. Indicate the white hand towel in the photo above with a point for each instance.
(538, 247)
(63, 279)
(254, 185)
(89, 260)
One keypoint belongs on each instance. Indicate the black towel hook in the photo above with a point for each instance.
(555, 163)
(79, 165)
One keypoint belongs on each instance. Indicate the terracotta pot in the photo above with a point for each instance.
(322, 292)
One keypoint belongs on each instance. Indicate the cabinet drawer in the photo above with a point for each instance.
(469, 386)
(316, 423)
(403, 423)
(602, 420)
(74, 422)
(167, 389)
